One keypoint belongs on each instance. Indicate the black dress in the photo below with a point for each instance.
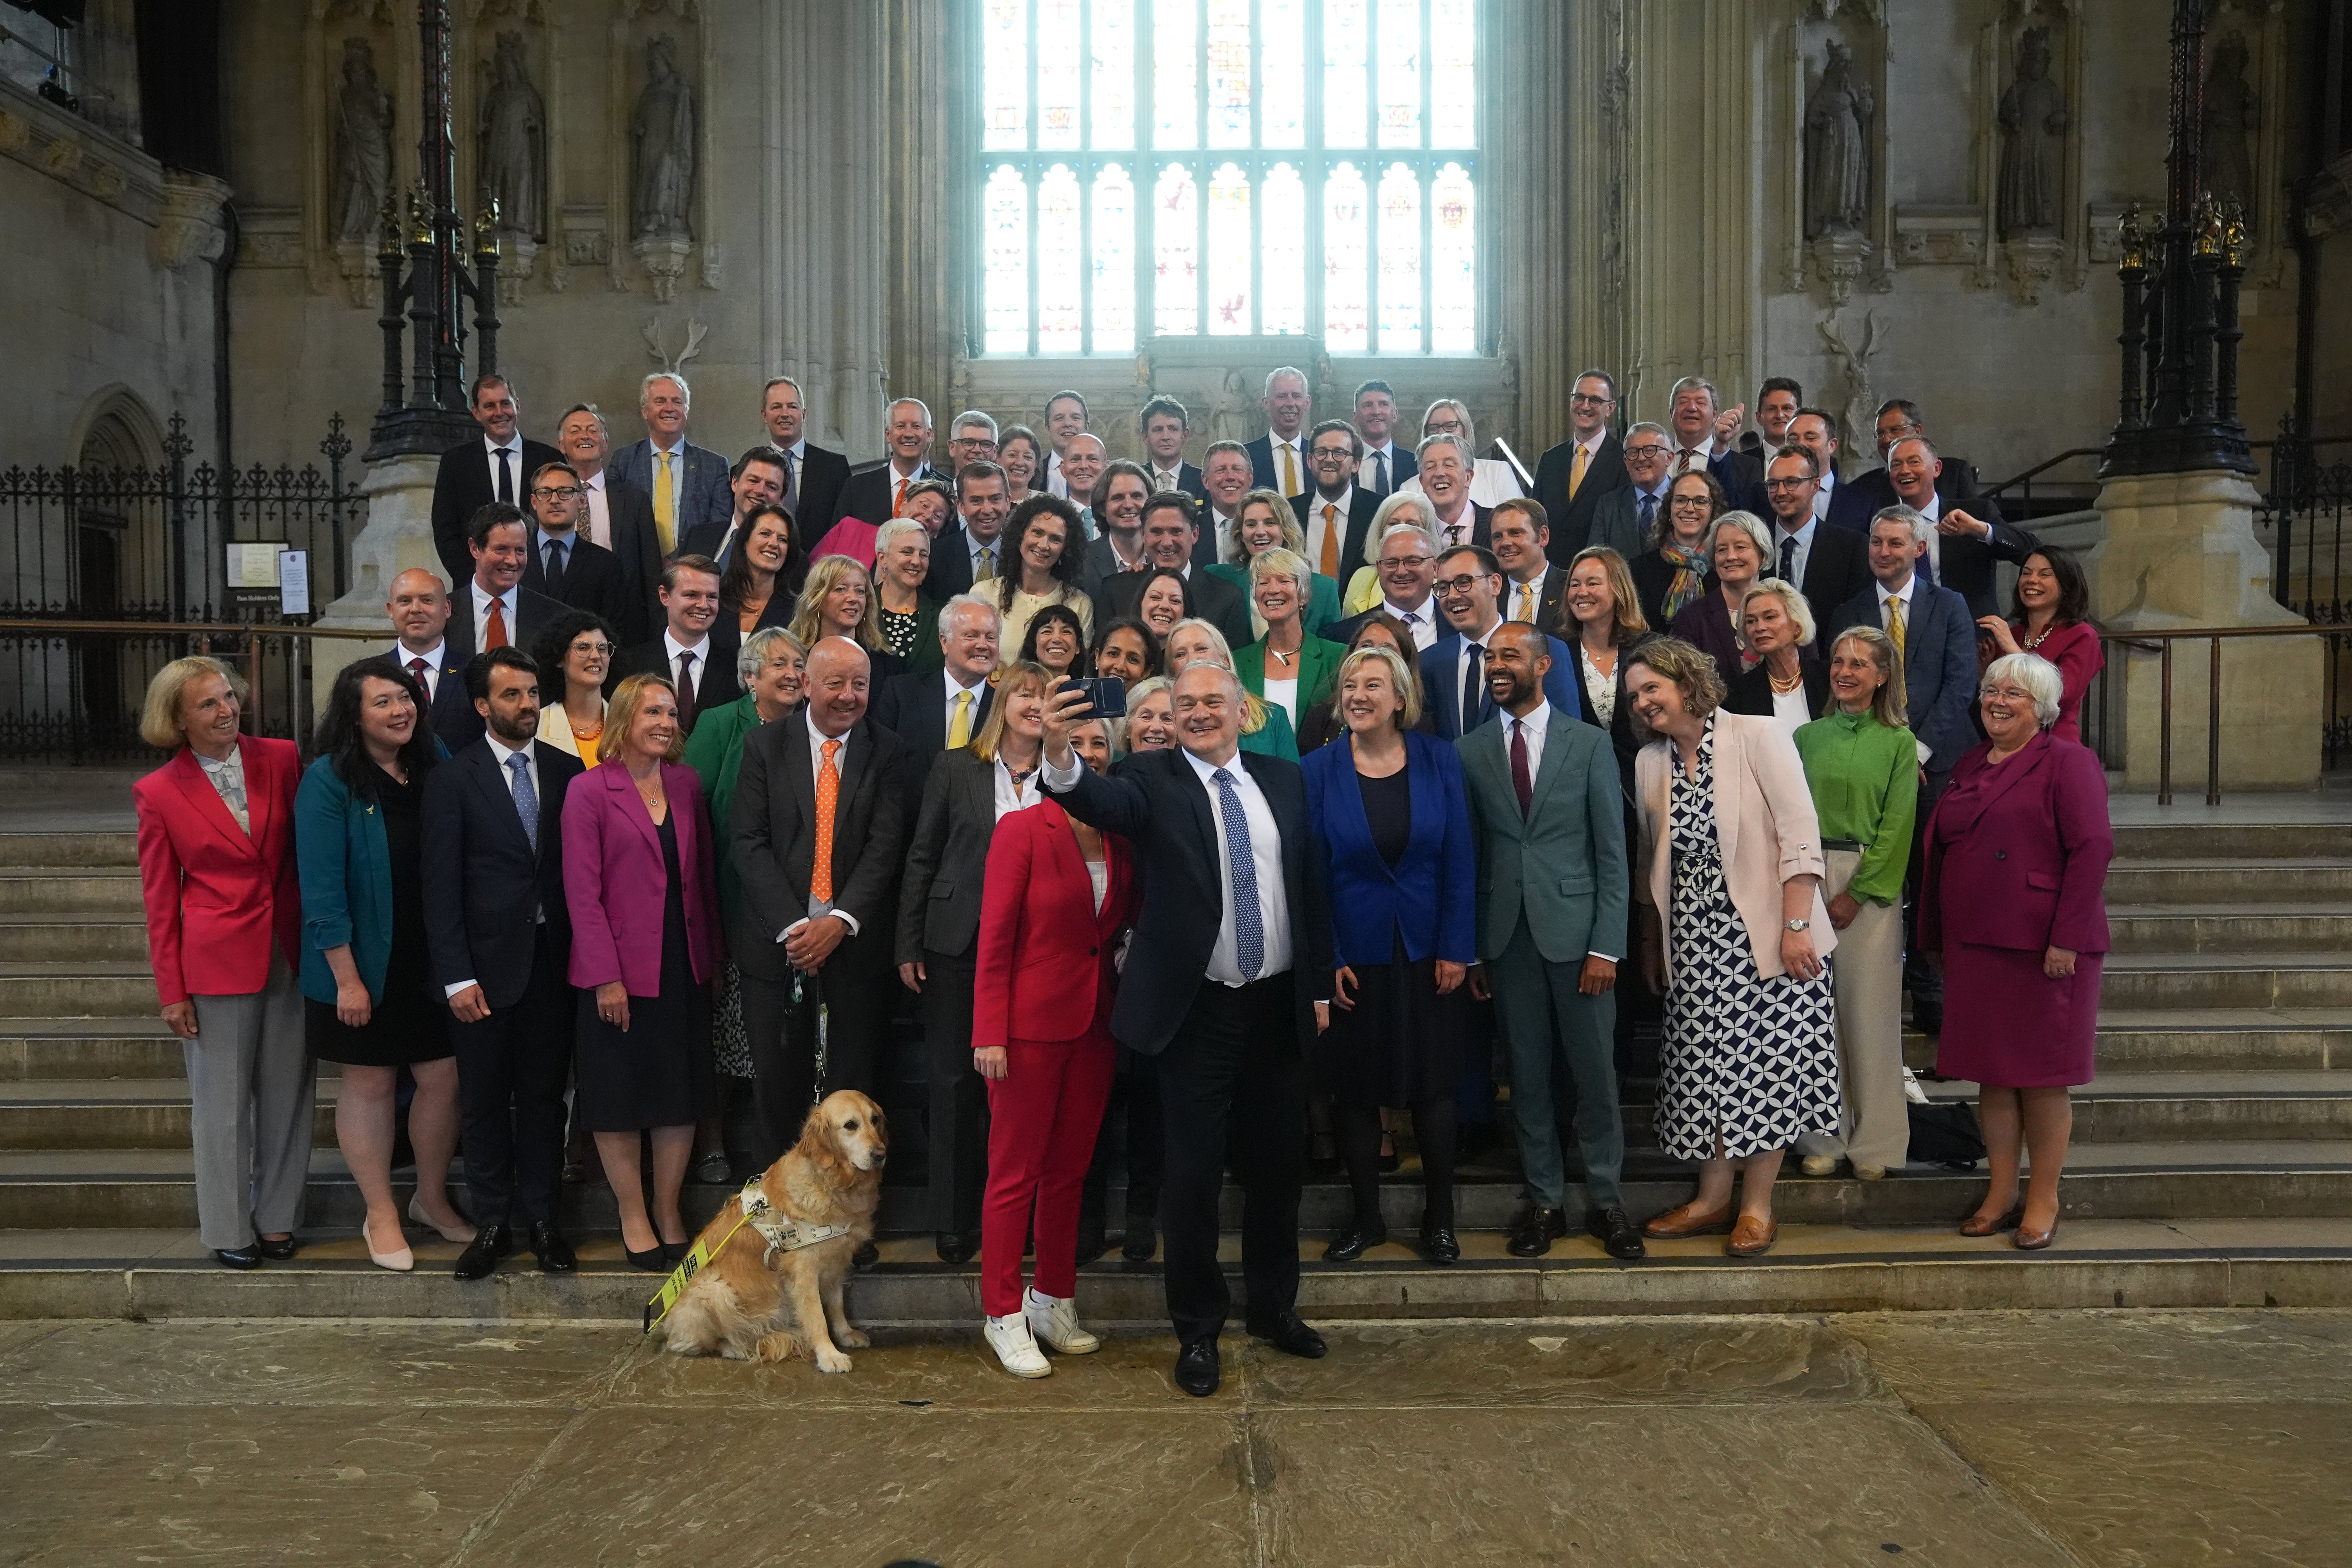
(659, 1072)
(1401, 1044)
(409, 1022)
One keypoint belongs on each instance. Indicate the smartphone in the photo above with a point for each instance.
(1107, 697)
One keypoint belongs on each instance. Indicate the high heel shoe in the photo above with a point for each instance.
(653, 1260)
(400, 1259)
(1977, 1225)
(2034, 1240)
(462, 1232)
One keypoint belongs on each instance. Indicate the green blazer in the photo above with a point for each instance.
(927, 657)
(715, 752)
(346, 869)
(1275, 738)
(1319, 667)
(1563, 864)
(1322, 598)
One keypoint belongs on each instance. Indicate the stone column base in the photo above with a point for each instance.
(398, 536)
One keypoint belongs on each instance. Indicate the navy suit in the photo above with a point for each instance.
(1741, 474)
(466, 481)
(1265, 473)
(704, 494)
(1442, 678)
(1571, 519)
(1939, 665)
(1850, 507)
(457, 724)
(1356, 527)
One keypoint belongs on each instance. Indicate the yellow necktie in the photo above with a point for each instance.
(1330, 538)
(664, 507)
(1895, 636)
(987, 573)
(1289, 471)
(1575, 473)
(960, 724)
(1526, 610)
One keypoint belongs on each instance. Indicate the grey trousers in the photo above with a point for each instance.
(1866, 973)
(1543, 1015)
(250, 1076)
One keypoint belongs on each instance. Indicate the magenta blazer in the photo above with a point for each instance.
(848, 537)
(615, 882)
(2017, 856)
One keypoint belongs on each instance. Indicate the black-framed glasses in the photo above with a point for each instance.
(1650, 450)
(1413, 563)
(1587, 397)
(555, 493)
(1785, 484)
(1450, 586)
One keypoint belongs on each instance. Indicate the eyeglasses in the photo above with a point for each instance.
(1648, 449)
(601, 649)
(556, 492)
(1785, 484)
(1452, 586)
(1331, 454)
(1411, 563)
(1694, 503)
(1586, 398)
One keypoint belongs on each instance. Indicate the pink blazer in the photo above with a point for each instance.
(851, 538)
(2017, 854)
(1764, 820)
(217, 897)
(615, 882)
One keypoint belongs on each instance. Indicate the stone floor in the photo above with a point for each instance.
(2098, 1439)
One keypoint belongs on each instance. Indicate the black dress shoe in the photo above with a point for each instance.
(554, 1253)
(480, 1259)
(1092, 1244)
(245, 1256)
(953, 1246)
(651, 1260)
(1142, 1240)
(1440, 1246)
(1619, 1236)
(278, 1251)
(1349, 1244)
(1291, 1336)
(1535, 1234)
(1198, 1369)
(866, 1256)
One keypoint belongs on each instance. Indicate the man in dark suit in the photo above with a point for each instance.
(808, 934)
(1693, 422)
(1278, 458)
(1547, 806)
(561, 564)
(970, 548)
(1166, 423)
(1336, 516)
(1777, 402)
(616, 515)
(1227, 983)
(1572, 477)
(812, 486)
(1837, 503)
(493, 609)
(500, 938)
(1533, 588)
(757, 480)
(1968, 541)
(419, 611)
(1406, 564)
(1169, 535)
(873, 495)
(1454, 670)
(1225, 475)
(696, 652)
(687, 483)
(933, 710)
(1629, 518)
(1899, 417)
(1446, 470)
(1827, 566)
(497, 466)
(1381, 466)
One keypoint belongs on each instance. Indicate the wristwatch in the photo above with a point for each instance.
(1799, 925)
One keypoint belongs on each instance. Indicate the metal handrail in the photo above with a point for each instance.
(2160, 642)
(2073, 452)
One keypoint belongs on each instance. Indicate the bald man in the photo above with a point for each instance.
(418, 608)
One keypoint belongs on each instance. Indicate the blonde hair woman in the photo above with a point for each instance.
(1266, 520)
(839, 601)
(1787, 684)
(1289, 665)
(1265, 727)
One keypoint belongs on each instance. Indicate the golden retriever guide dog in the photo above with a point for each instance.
(757, 1301)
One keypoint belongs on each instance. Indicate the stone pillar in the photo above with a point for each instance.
(398, 535)
(2180, 551)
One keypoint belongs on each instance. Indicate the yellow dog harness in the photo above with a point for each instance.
(782, 1235)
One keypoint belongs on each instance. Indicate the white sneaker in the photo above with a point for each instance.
(1912, 1091)
(1054, 1320)
(1009, 1337)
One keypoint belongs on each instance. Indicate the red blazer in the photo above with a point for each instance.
(1044, 955)
(216, 894)
(615, 882)
(2017, 854)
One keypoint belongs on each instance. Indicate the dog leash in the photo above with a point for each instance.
(782, 1236)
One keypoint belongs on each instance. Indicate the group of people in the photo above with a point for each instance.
(694, 776)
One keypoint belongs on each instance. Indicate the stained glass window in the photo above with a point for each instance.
(1291, 224)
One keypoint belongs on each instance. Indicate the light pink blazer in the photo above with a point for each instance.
(615, 882)
(1764, 819)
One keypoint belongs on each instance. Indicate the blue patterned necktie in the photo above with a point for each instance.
(1249, 928)
(526, 799)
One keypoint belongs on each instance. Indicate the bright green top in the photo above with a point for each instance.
(1275, 738)
(1865, 783)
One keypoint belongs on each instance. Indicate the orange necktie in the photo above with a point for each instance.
(1330, 540)
(494, 633)
(828, 795)
(898, 497)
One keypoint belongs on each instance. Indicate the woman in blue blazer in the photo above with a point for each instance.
(1392, 824)
(368, 1000)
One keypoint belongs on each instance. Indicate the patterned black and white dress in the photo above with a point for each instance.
(1757, 1058)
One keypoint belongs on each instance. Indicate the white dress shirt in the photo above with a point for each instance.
(1339, 506)
(816, 740)
(1221, 529)
(1931, 512)
(513, 448)
(1805, 538)
(1055, 485)
(1013, 794)
(1297, 445)
(1377, 471)
(1537, 723)
(507, 602)
(600, 510)
(1422, 622)
(436, 657)
(1168, 479)
(671, 648)
(1828, 488)
(950, 689)
(1462, 529)
(1688, 458)
(1524, 601)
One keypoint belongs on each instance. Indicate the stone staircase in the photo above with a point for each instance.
(2212, 1162)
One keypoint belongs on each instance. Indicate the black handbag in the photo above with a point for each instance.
(1946, 1134)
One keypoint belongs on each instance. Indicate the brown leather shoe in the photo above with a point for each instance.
(1753, 1237)
(1977, 1225)
(1687, 1221)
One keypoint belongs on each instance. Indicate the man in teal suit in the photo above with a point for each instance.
(1553, 886)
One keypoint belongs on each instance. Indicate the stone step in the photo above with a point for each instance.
(2252, 926)
(33, 1048)
(75, 848)
(72, 936)
(2276, 840)
(2242, 979)
(2191, 1107)
(1816, 1268)
(69, 892)
(82, 989)
(2188, 1039)
(2185, 880)
(117, 1113)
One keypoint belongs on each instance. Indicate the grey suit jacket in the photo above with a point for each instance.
(1562, 866)
(1615, 523)
(704, 494)
(938, 900)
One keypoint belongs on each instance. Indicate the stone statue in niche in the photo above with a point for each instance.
(2033, 145)
(511, 150)
(663, 138)
(1837, 149)
(2231, 118)
(363, 145)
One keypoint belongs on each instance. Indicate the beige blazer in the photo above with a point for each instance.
(1764, 819)
(555, 729)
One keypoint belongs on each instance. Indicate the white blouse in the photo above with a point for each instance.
(1600, 689)
(1098, 873)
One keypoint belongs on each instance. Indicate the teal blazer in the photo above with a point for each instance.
(1322, 598)
(1275, 738)
(346, 870)
(1562, 866)
(1318, 666)
(715, 752)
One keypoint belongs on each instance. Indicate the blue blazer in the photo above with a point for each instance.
(1441, 685)
(345, 864)
(1430, 897)
(1939, 665)
(704, 494)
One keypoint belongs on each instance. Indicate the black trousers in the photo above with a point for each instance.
(1133, 1106)
(512, 1069)
(782, 1035)
(1234, 1066)
(958, 1096)
(1920, 977)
